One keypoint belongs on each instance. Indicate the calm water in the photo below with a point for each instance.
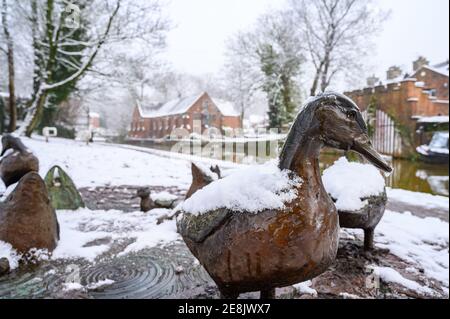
(415, 176)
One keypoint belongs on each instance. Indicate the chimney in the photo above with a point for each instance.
(393, 72)
(372, 81)
(420, 62)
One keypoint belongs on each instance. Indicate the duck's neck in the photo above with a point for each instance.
(305, 159)
(301, 150)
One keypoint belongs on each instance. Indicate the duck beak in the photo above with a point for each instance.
(364, 147)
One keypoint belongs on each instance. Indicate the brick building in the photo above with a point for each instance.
(158, 121)
(402, 99)
(406, 97)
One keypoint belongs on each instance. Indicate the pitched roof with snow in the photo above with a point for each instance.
(181, 106)
(226, 107)
(177, 106)
(441, 68)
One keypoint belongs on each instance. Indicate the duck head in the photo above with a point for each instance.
(142, 192)
(335, 121)
(11, 142)
(343, 127)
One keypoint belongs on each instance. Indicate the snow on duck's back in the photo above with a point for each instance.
(349, 182)
(250, 189)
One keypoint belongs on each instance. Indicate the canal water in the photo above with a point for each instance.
(410, 175)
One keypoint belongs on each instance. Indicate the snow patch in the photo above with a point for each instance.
(72, 286)
(418, 199)
(7, 251)
(88, 234)
(391, 275)
(100, 284)
(250, 189)
(349, 182)
(420, 241)
(305, 288)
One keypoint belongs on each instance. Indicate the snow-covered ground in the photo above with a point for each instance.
(88, 234)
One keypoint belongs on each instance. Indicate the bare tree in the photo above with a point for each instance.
(337, 34)
(242, 76)
(267, 58)
(11, 78)
(108, 24)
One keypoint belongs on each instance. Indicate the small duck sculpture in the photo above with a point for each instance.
(260, 251)
(16, 160)
(201, 178)
(147, 203)
(366, 218)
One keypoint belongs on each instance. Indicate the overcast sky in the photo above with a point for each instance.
(197, 43)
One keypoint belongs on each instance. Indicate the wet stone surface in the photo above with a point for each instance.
(120, 197)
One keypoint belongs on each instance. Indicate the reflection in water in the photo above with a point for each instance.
(409, 175)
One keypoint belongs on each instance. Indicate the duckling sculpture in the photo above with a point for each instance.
(27, 218)
(17, 162)
(201, 178)
(259, 251)
(62, 190)
(366, 218)
(147, 203)
(360, 203)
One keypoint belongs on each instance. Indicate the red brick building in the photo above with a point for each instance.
(401, 100)
(158, 121)
(406, 97)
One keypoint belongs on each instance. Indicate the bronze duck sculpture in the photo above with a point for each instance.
(18, 162)
(248, 251)
(27, 218)
(201, 178)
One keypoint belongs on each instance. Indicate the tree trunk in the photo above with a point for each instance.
(324, 81)
(11, 87)
(313, 90)
(37, 114)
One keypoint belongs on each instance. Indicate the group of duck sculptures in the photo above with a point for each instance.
(27, 215)
(241, 252)
(27, 218)
(246, 252)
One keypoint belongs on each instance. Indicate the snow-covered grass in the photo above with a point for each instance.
(94, 165)
(418, 199)
(250, 189)
(420, 241)
(388, 274)
(81, 229)
(349, 182)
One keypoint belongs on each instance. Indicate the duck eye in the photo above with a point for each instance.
(351, 114)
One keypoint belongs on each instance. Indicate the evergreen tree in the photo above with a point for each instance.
(64, 65)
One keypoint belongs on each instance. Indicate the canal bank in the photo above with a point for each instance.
(410, 175)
